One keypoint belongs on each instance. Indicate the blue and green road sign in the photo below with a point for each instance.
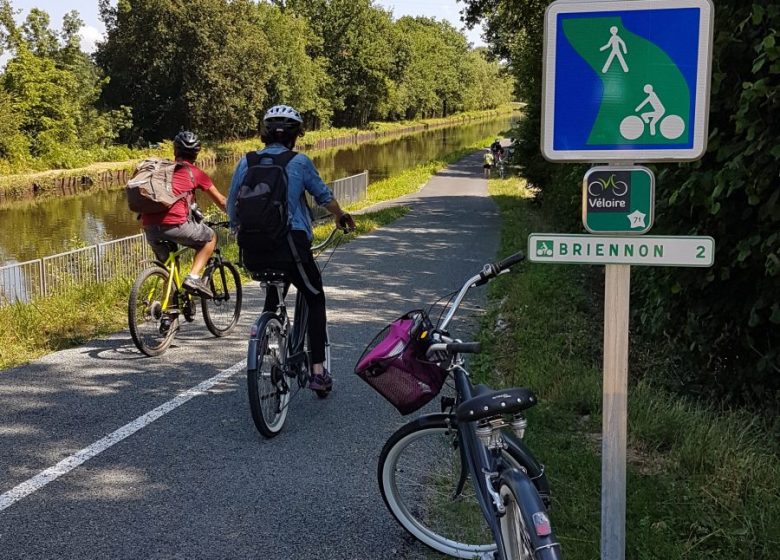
(626, 80)
(618, 199)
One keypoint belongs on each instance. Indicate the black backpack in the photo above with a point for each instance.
(261, 203)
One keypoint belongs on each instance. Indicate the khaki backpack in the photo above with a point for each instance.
(150, 189)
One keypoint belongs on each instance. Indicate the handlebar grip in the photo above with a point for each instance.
(510, 261)
(464, 347)
(491, 270)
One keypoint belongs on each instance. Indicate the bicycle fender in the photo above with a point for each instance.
(517, 449)
(547, 546)
(435, 418)
(257, 328)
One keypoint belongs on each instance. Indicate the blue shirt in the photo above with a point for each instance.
(301, 175)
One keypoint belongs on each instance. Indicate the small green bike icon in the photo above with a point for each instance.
(600, 186)
(544, 249)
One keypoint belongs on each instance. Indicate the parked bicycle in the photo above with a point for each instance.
(158, 299)
(278, 357)
(461, 481)
(502, 167)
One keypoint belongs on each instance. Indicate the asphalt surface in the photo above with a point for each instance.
(199, 481)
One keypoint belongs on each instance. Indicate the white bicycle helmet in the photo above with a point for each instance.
(282, 112)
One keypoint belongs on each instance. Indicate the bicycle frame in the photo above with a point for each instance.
(171, 264)
(486, 467)
(481, 463)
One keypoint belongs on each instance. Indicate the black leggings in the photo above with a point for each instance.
(316, 302)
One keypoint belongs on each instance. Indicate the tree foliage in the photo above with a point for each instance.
(215, 66)
(722, 325)
(48, 93)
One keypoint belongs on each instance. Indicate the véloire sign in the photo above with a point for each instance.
(626, 80)
(648, 250)
(618, 199)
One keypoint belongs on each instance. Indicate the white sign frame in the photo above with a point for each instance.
(702, 95)
(685, 249)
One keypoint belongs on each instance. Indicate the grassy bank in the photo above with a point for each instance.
(313, 138)
(702, 483)
(20, 184)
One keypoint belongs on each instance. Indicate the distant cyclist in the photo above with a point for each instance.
(279, 131)
(497, 149)
(176, 224)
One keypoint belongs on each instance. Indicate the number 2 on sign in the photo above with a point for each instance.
(700, 252)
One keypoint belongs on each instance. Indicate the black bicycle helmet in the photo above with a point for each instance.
(186, 143)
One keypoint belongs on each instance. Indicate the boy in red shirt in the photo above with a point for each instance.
(175, 223)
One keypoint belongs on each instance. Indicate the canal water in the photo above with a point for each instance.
(37, 229)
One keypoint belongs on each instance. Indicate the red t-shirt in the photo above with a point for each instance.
(182, 182)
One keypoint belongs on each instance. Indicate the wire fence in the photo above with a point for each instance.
(118, 258)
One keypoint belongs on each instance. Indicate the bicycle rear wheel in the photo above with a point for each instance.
(525, 526)
(151, 326)
(221, 312)
(419, 473)
(269, 393)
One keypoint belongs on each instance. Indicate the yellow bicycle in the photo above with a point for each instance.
(158, 299)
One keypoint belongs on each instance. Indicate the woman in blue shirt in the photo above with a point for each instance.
(279, 131)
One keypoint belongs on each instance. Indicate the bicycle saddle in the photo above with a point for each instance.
(488, 402)
(170, 245)
(270, 275)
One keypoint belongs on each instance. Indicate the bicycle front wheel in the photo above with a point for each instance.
(151, 326)
(420, 477)
(269, 393)
(221, 312)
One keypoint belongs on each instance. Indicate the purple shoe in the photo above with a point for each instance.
(321, 382)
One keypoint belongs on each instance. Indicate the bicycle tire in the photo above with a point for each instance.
(268, 397)
(599, 186)
(221, 313)
(621, 192)
(524, 509)
(145, 314)
(460, 513)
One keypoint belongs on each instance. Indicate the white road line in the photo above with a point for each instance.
(69, 463)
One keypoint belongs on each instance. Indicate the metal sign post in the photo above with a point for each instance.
(624, 81)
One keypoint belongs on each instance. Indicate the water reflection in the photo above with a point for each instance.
(38, 229)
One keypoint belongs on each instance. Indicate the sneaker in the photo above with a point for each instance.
(321, 382)
(198, 286)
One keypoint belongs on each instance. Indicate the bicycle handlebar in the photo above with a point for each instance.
(488, 272)
(491, 270)
(454, 348)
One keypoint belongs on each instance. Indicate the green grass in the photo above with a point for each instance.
(30, 330)
(702, 483)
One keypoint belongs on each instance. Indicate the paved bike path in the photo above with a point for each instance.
(199, 481)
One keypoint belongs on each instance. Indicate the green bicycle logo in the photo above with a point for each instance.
(544, 249)
(600, 186)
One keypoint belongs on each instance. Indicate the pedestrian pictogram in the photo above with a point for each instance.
(626, 81)
(618, 49)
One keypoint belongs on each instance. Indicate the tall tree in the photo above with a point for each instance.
(356, 43)
(197, 63)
